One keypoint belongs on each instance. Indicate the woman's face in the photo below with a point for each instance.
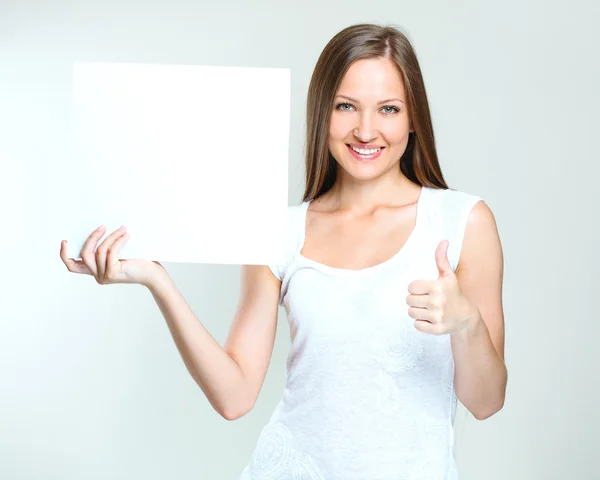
(359, 119)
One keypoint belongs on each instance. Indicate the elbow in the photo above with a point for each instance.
(482, 416)
(237, 411)
(232, 414)
(227, 411)
(492, 405)
(485, 414)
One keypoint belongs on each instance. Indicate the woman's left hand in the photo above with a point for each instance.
(439, 306)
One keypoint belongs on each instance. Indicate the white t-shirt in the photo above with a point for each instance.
(367, 395)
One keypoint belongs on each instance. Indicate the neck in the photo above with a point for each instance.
(362, 199)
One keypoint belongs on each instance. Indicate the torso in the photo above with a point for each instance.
(335, 240)
(358, 372)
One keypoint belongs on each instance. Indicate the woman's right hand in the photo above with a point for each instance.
(105, 265)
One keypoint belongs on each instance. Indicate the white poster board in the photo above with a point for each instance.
(193, 159)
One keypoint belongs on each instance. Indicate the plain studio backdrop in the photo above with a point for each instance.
(91, 383)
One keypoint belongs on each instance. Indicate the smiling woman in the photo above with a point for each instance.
(377, 99)
(383, 337)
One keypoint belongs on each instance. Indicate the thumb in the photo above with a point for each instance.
(441, 259)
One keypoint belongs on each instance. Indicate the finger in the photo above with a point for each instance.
(428, 327)
(421, 301)
(420, 314)
(103, 248)
(112, 260)
(419, 287)
(73, 265)
(87, 252)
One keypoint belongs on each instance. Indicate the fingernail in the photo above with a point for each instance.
(122, 228)
(101, 227)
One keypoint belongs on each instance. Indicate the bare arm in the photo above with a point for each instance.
(231, 376)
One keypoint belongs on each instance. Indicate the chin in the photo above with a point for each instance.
(364, 172)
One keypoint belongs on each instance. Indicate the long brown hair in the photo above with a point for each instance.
(419, 163)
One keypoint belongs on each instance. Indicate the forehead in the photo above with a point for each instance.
(373, 78)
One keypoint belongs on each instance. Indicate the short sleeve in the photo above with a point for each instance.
(277, 270)
(291, 239)
(456, 209)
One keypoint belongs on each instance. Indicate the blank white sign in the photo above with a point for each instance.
(193, 159)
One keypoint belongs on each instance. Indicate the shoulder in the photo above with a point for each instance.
(295, 216)
(465, 219)
(473, 209)
(452, 199)
(460, 206)
(477, 229)
(481, 239)
(294, 237)
(294, 229)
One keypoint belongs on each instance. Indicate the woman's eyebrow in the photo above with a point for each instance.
(378, 103)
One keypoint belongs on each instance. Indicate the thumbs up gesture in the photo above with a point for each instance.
(439, 306)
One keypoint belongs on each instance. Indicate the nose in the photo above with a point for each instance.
(365, 131)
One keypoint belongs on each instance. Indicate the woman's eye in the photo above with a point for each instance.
(392, 109)
(342, 105)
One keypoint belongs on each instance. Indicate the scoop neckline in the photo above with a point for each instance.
(348, 271)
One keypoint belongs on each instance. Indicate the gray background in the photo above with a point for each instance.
(91, 383)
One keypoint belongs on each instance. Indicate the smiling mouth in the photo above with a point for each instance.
(367, 150)
(367, 155)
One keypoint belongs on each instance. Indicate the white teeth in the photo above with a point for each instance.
(365, 152)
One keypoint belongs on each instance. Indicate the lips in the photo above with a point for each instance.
(365, 158)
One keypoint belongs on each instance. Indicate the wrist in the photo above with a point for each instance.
(155, 277)
(471, 321)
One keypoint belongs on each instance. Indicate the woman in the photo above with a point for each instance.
(387, 329)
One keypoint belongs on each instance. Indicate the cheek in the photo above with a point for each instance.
(338, 131)
(397, 135)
